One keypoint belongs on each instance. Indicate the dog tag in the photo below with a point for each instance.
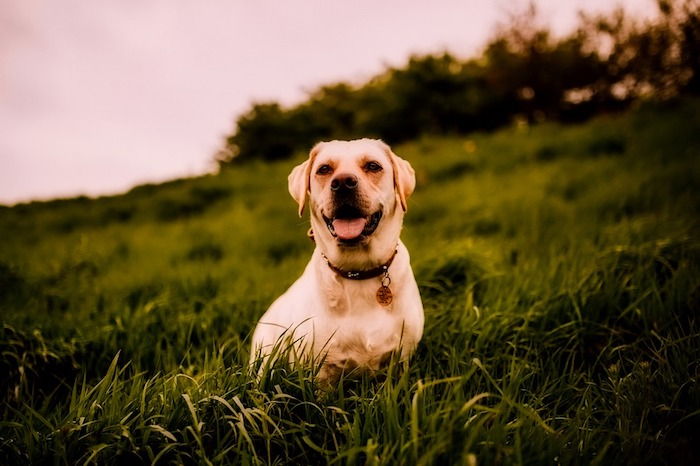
(384, 295)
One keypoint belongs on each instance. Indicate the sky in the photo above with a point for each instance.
(99, 96)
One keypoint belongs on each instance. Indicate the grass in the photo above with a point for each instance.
(559, 268)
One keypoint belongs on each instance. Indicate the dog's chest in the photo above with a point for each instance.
(364, 338)
(356, 298)
(358, 329)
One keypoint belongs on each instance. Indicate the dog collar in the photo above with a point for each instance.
(362, 274)
(384, 295)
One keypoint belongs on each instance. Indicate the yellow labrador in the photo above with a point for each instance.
(357, 300)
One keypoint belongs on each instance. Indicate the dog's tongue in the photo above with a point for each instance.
(349, 228)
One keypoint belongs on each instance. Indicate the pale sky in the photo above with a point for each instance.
(98, 96)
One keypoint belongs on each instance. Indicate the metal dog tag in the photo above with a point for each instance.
(384, 295)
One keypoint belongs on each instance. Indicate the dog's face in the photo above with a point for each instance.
(357, 192)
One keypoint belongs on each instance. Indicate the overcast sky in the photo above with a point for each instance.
(97, 96)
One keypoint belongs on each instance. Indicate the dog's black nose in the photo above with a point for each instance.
(344, 182)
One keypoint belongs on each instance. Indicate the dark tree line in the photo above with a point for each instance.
(523, 72)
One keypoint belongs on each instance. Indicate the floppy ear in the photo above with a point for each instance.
(404, 176)
(300, 179)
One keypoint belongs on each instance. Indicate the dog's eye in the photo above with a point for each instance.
(324, 170)
(373, 167)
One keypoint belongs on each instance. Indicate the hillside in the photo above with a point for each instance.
(559, 268)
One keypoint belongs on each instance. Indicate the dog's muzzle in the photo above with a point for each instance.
(349, 225)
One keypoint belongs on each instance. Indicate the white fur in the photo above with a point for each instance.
(334, 317)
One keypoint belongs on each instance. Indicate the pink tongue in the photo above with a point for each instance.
(349, 228)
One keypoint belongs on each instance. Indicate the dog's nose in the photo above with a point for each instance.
(344, 181)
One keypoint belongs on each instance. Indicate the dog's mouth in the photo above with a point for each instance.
(349, 225)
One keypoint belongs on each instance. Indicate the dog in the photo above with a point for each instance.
(357, 301)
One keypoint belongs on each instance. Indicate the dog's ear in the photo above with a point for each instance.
(300, 179)
(404, 176)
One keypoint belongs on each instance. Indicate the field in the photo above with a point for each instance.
(559, 268)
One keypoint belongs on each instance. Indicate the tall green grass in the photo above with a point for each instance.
(559, 268)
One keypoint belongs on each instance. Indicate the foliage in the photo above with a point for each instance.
(524, 73)
(560, 272)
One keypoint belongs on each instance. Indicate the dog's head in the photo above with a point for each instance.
(357, 192)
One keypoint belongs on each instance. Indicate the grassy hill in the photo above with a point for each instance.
(559, 268)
